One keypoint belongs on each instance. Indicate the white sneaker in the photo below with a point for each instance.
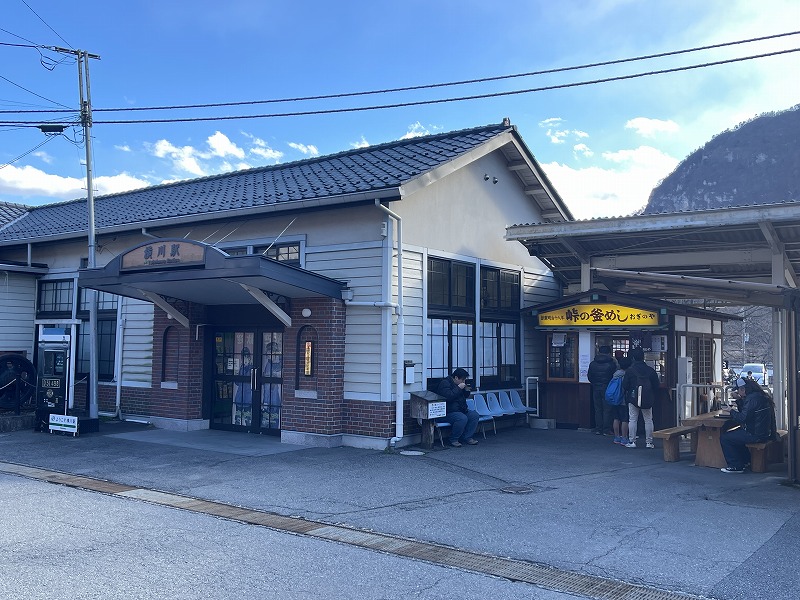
(631, 445)
(649, 445)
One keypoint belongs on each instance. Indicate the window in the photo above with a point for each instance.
(106, 347)
(285, 253)
(562, 356)
(451, 285)
(500, 290)
(451, 346)
(701, 351)
(106, 335)
(499, 357)
(55, 297)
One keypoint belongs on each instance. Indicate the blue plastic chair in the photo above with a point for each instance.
(517, 403)
(483, 410)
(494, 405)
(505, 403)
(439, 425)
(472, 404)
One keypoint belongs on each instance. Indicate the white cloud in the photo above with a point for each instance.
(362, 143)
(560, 135)
(123, 148)
(262, 149)
(44, 156)
(582, 150)
(305, 149)
(624, 188)
(29, 182)
(184, 158)
(650, 127)
(267, 152)
(415, 130)
(222, 146)
(113, 184)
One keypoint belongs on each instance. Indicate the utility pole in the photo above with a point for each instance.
(86, 121)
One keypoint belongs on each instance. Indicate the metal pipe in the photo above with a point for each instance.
(400, 348)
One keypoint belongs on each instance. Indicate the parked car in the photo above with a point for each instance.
(757, 371)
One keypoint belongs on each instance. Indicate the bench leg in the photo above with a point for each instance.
(672, 450)
(758, 460)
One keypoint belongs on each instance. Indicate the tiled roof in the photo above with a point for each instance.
(9, 212)
(367, 170)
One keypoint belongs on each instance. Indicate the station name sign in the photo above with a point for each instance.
(598, 315)
(164, 253)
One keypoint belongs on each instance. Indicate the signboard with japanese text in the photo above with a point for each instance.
(164, 253)
(64, 423)
(599, 315)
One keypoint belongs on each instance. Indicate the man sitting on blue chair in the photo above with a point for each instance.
(463, 422)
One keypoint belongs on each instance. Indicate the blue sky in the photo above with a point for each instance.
(603, 146)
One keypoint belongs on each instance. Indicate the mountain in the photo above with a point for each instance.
(756, 162)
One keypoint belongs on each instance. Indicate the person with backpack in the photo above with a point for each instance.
(600, 372)
(640, 385)
(615, 397)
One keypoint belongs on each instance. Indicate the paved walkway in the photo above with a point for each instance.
(563, 510)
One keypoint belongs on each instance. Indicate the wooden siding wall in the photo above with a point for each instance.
(360, 265)
(18, 299)
(137, 342)
(537, 287)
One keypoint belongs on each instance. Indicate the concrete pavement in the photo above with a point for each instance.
(566, 499)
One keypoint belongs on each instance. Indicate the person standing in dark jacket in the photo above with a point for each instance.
(601, 371)
(641, 398)
(755, 423)
(463, 422)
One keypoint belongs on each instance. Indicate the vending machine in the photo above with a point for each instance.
(52, 389)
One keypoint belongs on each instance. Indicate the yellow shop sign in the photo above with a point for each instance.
(598, 315)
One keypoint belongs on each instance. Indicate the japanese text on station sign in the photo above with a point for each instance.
(598, 315)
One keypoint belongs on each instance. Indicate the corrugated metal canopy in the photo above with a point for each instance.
(730, 249)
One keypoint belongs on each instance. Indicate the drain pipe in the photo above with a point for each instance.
(399, 354)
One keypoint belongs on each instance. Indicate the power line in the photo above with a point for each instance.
(47, 24)
(38, 96)
(421, 102)
(24, 154)
(458, 99)
(432, 85)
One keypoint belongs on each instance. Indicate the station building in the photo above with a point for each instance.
(305, 300)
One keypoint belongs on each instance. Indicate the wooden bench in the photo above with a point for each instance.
(763, 453)
(671, 439)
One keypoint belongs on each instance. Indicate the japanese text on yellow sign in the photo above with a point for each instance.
(598, 315)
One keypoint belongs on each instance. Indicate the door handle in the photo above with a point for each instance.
(253, 379)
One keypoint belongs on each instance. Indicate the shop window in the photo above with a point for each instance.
(562, 356)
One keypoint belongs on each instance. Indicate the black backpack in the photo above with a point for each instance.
(643, 395)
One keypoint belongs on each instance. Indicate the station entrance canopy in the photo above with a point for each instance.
(199, 273)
